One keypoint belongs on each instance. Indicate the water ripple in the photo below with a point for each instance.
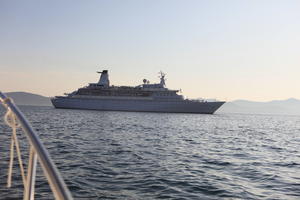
(120, 155)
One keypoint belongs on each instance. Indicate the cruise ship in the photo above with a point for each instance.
(142, 98)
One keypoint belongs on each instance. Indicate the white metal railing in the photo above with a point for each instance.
(37, 152)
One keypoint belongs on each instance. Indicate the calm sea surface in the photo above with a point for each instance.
(128, 155)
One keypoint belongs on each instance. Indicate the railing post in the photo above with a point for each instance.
(31, 171)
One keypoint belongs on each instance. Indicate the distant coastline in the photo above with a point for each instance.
(289, 106)
(30, 99)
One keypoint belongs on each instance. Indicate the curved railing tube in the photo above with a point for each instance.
(37, 151)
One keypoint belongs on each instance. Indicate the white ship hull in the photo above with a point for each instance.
(182, 106)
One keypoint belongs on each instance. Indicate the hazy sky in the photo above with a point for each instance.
(233, 49)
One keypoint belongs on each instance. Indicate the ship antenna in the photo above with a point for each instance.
(162, 78)
(161, 74)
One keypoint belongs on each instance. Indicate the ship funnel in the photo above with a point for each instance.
(103, 81)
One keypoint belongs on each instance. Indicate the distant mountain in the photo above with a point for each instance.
(25, 98)
(289, 106)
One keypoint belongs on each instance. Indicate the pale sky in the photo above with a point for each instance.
(233, 49)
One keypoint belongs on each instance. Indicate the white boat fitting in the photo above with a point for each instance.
(15, 119)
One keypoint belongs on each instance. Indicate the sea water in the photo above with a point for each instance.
(137, 155)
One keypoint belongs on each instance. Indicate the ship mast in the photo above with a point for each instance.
(162, 79)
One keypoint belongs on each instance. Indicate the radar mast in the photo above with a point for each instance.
(162, 78)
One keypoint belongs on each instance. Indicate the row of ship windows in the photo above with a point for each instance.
(114, 94)
(165, 94)
(149, 103)
(126, 94)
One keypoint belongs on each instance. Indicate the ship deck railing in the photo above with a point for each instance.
(37, 154)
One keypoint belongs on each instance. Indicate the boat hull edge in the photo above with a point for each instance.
(185, 106)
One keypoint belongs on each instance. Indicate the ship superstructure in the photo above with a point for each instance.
(145, 97)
